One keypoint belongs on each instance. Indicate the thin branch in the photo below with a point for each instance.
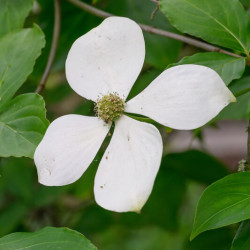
(56, 31)
(155, 11)
(152, 30)
(248, 144)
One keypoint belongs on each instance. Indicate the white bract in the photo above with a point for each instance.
(106, 60)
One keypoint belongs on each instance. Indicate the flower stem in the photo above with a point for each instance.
(56, 32)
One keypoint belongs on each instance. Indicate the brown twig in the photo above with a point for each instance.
(56, 31)
(155, 10)
(152, 30)
(90, 9)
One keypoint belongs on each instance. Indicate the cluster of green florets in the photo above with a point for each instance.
(109, 107)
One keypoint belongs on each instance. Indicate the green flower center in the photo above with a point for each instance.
(109, 108)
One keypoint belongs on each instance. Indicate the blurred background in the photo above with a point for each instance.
(192, 159)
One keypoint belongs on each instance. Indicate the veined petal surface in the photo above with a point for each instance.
(183, 97)
(106, 59)
(67, 149)
(126, 174)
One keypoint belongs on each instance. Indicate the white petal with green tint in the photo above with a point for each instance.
(67, 149)
(106, 59)
(183, 97)
(127, 171)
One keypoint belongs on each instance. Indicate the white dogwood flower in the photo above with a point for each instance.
(102, 66)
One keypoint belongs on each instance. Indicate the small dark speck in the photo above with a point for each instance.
(101, 186)
(106, 157)
(128, 138)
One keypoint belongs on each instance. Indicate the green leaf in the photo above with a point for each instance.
(18, 52)
(22, 125)
(241, 86)
(196, 165)
(12, 14)
(241, 108)
(223, 22)
(47, 238)
(223, 203)
(242, 239)
(237, 110)
(228, 67)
